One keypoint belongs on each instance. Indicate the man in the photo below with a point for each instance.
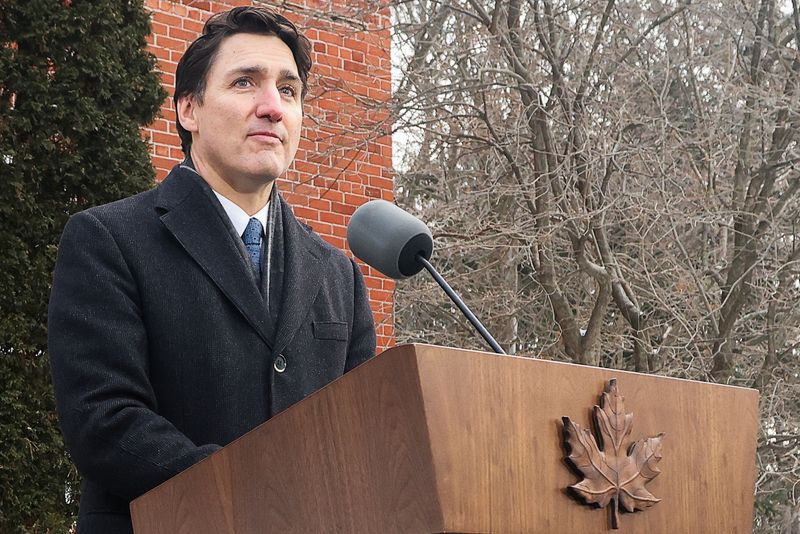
(183, 317)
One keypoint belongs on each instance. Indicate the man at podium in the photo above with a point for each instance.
(184, 316)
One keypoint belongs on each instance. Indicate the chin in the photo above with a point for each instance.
(270, 170)
(263, 177)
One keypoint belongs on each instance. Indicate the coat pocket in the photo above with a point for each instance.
(330, 330)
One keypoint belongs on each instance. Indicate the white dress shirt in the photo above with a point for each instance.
(239, 218)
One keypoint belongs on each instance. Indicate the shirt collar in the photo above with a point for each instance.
(239, 218)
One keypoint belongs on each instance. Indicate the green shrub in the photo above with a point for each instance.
(76, 85)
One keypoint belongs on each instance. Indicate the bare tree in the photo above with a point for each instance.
(614, 183)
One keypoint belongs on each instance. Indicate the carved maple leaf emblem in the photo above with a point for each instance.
(613, 471)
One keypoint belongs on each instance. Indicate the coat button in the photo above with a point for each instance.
(280, 363)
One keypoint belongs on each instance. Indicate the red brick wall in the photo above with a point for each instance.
(345, 158)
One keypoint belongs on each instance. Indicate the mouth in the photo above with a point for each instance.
(266, 136)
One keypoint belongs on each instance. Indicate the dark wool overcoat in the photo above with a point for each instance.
(164, 348)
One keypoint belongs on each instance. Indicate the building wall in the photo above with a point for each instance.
(345, 155)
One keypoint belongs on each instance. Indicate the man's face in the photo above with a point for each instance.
(247, 128)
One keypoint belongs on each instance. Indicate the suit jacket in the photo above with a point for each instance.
(161, 346)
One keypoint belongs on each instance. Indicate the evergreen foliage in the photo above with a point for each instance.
(76, 84)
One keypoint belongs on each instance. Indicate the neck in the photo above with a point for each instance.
(250, 195)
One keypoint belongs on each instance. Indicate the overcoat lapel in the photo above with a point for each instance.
(305, 259)
(191, 216)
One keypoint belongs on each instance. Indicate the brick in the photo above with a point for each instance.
(337, 242)
(306, 167)
(320, 204)
(340, 231)
(184, 35)
(162, 163)
(372, 192)
(166, 66)
(306, 213)
(330, 61)
(356, 44)
(165, 138)
(369, 169)
(167, 19)
(192, 26)
(338, 207)
(332, 195)
(381, 295)
(169, 43)
(159, 29)
(381, 183)
(355, 200)
(352, 66)
(329, 37)
(178, 9)
(205, 6)
(372, 282)
(333, 218)
(381, 161)
(160, 53)
(160, 124)
(298, 201)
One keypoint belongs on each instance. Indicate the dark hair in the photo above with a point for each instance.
(193, 68)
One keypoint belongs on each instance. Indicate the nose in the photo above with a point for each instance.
(269, 104)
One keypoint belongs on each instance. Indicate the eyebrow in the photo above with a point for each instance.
(285, 74)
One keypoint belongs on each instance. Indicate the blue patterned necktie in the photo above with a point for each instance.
(252, 240)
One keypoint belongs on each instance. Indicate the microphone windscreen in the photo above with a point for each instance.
(387, 238)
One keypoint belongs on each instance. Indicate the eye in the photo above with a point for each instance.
(243, 82)
(288, 90)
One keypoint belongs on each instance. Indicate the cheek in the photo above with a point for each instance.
(230, 113)
(295, 129)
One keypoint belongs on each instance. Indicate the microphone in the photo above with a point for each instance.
(399, 245)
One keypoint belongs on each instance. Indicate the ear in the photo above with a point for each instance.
(187, 105)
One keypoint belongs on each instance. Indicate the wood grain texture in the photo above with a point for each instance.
(352, 457)
(500, 464)
(425, 439)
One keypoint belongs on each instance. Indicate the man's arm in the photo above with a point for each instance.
(362, 338)
(99, 362)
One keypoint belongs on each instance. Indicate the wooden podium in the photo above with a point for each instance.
(426, 439)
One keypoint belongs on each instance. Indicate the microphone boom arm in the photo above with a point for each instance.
(461, 305)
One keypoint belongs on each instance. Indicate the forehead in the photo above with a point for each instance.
(248, 50)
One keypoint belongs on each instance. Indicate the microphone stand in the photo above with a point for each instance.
(460, 303)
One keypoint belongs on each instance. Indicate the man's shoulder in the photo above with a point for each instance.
(124, 216)
(143, 206)
(124, 206)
